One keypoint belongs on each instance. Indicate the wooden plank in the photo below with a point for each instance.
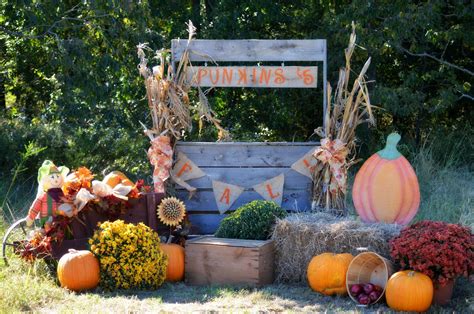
(293, 200)
(230, 242)
(254, 76)
(250, 50)
(248, 177)
(238, 154)
(205, 223)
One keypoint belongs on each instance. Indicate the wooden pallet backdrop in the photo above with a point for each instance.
(244, 164)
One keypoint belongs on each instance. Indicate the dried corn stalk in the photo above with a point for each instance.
(348, 107)
(168, 100)
(168, 95)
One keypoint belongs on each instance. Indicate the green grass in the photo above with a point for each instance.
(446, 195)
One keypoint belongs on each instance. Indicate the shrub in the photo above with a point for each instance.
(440, 250)
(129, 256)
(251, 221)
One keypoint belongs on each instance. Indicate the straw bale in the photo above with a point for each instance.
(301, 236)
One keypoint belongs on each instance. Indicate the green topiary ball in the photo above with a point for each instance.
(252, 221)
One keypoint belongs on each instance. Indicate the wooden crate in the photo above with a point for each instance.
(211, 260)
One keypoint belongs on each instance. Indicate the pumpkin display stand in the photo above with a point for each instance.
(210, 261)
(143, 210)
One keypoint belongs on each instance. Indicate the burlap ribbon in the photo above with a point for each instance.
(334, 154)
(160, 155)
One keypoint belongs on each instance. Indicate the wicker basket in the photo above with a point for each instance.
(369, 267)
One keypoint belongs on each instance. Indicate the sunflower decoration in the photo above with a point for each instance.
(171, 211)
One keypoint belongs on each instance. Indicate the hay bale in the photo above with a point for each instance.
(301, 236)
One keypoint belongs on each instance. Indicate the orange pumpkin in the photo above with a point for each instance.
(327, 273)
(78, 270)
(409, 291)
(386, 187)
(175, 253)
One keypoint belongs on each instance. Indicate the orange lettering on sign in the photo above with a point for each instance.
(242, 76)
(279, 77)
(254, 75)
(201, 74)
(227, 75)
(270, 192)
(265, 76)
(214, 81)
(225, 196)
(185, 167)
(308, 165)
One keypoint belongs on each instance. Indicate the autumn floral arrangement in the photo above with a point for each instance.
(109, 197)
(129, 256)
(440, 250)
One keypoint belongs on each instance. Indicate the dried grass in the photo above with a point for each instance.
(347, 108)
(301, 236)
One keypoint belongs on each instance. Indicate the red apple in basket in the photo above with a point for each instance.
(368, 288)
(356, 289)
(363, 299)
(374, 295)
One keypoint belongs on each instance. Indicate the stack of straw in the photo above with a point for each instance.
(299, 237)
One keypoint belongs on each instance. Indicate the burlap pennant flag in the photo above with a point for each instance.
(184, 169)
(225, 194)
(272, 189)
(305, 164)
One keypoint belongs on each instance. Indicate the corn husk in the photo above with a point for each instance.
(168, 95)
(347, 107)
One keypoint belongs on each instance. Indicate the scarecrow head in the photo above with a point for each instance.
(50, 176)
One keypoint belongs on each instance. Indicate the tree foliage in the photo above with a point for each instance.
(69, 81)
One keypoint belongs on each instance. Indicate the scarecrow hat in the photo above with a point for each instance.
(48, 167)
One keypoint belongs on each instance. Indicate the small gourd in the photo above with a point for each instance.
(386, 187)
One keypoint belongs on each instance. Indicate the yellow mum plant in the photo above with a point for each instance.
(129, 256)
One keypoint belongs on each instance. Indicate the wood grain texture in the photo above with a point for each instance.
(293, 200)
(248, 177)
(243, 164)
(244, 154)
(229, 261)
(251, 50)
(230, 242)
(205, 223)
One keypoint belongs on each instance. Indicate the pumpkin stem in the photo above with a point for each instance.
(73, 251)
(411, 273)
(390, 151)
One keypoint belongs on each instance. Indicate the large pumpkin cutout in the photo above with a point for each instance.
(386, 188)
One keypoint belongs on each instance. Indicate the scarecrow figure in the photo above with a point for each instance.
(50, 200)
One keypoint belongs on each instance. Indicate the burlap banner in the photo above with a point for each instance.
(305, 164)
(185, 169)
(272, 190)
(225, 194)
